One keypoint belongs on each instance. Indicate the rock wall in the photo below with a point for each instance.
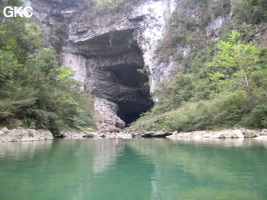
(141, 28)
(114, 54)
(77, 63)
(115, 50)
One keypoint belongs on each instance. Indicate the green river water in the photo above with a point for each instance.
(141, 169)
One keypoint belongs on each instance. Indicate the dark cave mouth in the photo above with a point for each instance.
(116, 72)
(135, 99)
(130, 112)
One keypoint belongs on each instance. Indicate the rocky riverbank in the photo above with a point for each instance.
(223, 134)
(94, 134)
(20, 134)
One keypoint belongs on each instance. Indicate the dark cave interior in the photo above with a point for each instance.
(130, 112)
(136, 97)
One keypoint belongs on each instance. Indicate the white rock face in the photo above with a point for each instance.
(149, 20)
(106, 115)
(157, 15)
(77, 64)
(212, 30)
(223, 134)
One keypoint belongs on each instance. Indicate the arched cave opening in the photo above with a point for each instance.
(135, 98)
(116, 72)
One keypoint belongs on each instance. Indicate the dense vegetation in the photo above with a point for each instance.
(33, 87)
(222, 79)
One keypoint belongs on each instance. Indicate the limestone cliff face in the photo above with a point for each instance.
(115, 56)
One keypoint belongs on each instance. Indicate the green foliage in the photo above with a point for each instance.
(250, 11)
(64, 74)
(234, 60)
(30, 134)
(219, 88)
(33, 87)
(226, 110)
(9, 106)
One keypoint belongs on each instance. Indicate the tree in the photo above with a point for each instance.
(33, 87)
(234, 60)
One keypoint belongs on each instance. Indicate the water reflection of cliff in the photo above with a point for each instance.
(120, 172)
(106, 152)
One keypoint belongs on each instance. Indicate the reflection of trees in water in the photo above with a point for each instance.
(18, 149)
(188, 168)
(236, 142)
(106, 152)
(139, 168)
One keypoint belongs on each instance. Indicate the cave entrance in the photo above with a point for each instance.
(135, 98)
(115, 72)
(130, 112)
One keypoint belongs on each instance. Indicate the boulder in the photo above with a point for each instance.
(250, 133)
(263, 132)
(156, 134)
(235, 133)
(262, 137)
(72, 134)
(14, 123)
(4, 129)
(91, 135)
(173, 136)
(32, 125)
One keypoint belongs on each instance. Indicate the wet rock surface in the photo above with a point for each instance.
(160, 134)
